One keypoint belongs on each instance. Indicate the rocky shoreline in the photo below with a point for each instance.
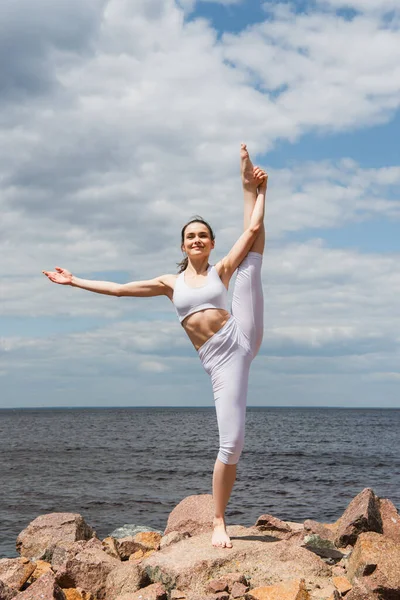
(356, 558)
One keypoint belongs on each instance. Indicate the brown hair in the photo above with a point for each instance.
(196, 219)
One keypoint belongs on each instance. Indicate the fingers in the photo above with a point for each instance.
(259, 174)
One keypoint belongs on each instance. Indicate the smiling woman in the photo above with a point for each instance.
(226, 341)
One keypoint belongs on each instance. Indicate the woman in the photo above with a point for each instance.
(226, 343)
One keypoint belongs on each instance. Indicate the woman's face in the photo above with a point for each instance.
(197, 241)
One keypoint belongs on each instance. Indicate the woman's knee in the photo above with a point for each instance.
(230, 453)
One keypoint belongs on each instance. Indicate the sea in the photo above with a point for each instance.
(117, 466)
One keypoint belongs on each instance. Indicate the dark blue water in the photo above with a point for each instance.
(117, 466)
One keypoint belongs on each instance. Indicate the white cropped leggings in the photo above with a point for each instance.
(228, 354)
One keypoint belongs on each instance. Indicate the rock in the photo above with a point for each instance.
(335, 596)
(172, 538)
(360, 592)
(110, 547)
(14, 572)
(88, 569)
(342, 584)
(290, 590)
(270, 523)
(190, 564)
(193, 515)
(390, 520)
(44, 588)
(217, 585)
(234, 577)
(313, 527)
(130, 530)
(77, 594)
(41, 567)
(238, 589)
(375, 561)
(323, 547)
(177, 595)
(148, 540)
(6, 593)
(46, 530)
(127, 546)
(65, 551)
(125, 578)
(361, 515)
(155, 591)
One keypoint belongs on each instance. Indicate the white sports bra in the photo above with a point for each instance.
(188, 300)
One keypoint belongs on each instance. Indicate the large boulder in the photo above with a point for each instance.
(44, 588)
(43, 533)
(390, 519)
(124, 579)
(14, 572)
(361, 515)
(375, 561)
(190, 564)
(65, 551)
(88, 569)
(192, 515)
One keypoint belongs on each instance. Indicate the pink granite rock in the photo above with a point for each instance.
(270, 523)
(313, 527)
(192, 515)
(361, 515)
(127, 546)
(65, 551)
(155, 591)
(44, 588)
(6, 593)
(360, 592)
(43, 533)
(190, 564)
(126, 578)
(238, 590)
(173, 538)
(217, 585)
(390, 519)
(89, 570)
(375, 561)
(14, 572)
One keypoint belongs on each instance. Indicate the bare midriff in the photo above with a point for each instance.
(202, 325)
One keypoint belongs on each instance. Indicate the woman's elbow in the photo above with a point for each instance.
(255, 229)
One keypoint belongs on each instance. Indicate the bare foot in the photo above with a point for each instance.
(220, 538)
(246, 168)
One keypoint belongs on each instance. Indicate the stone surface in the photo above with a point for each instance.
(314, 527)
(148, 540)
(270, 523)
(41, 567)
(190, 564)
(323, 547)
(360, 592)
(6, 593)
(88, 569)
(127, 546)
(342, 584)
(376, 561)
(335, 596)
(173, 538)
(238, 590)
(44, 588)
(46, 530)
(390, 519)
(77, 594)
(192, 515)
(130, 530)
(361, 515)
(290, 590)
(234, 577)
(217, 585)
(155, 591)
(125, 578)
(177, 595)
(14, 572)
(110, 547)
(65, 551)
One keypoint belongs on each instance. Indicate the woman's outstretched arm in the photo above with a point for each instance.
(159, 286)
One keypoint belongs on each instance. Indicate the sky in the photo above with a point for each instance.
(121, 119)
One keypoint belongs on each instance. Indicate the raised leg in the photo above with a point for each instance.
(250, 196)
